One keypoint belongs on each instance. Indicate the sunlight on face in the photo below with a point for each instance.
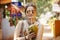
(31, 12)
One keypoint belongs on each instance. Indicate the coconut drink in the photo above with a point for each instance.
(33, 29)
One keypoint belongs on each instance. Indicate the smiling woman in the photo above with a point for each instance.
(23, 31)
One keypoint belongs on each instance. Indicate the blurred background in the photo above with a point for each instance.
(47, 10)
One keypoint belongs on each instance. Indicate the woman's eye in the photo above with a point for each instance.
(27, 11)
(32, 12)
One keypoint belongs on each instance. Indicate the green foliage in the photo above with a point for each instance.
(14, 21)
(7, 13)
(20, 0)
(43, 6)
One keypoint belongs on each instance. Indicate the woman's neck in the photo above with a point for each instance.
(31, 20)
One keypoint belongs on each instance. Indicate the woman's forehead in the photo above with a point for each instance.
(30, 8)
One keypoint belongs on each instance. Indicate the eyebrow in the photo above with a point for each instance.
(31, 10)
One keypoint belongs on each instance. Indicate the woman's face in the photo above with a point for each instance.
(31, 12)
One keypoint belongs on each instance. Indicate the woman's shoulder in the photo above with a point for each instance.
(22, 21)
(39, 22)
(5, 22)
(4, 19)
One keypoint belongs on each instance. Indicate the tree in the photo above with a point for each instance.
(20, 0)
(43, 6)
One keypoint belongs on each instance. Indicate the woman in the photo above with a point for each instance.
(24, 25)
(7, 30)
(4, 25)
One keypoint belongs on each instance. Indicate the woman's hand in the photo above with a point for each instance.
(31, 35)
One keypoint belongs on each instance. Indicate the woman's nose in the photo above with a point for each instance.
(30, 12)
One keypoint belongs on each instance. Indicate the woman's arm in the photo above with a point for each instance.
(17, 32)
(40, 31)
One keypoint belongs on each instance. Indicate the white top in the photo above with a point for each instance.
(6, 29)
(26, 25)
(12, 29)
